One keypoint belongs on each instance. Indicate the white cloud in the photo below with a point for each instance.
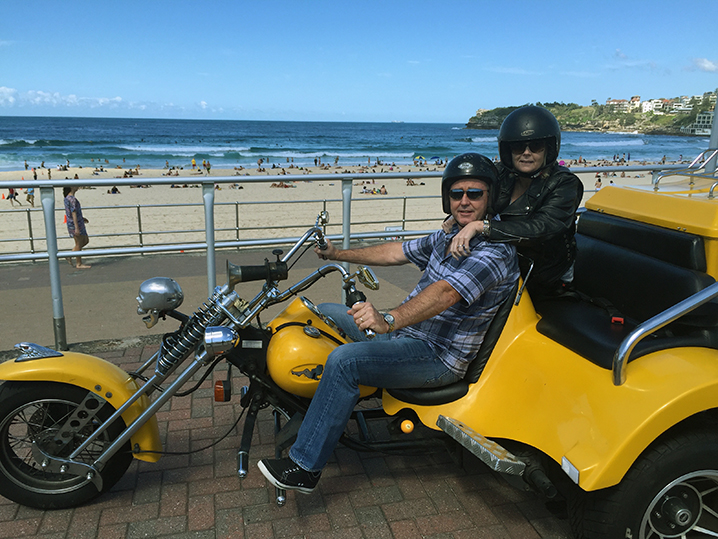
(8, 96)
(42, 100)
(704, 64)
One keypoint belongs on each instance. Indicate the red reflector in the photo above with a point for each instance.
(222, 391)
(617, 320)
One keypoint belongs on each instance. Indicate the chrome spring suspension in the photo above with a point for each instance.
(177, 347)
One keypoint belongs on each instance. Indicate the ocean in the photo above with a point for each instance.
(152, 143)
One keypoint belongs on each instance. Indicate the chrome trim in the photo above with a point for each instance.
(620, 358)
(30, 351)
(219, 340)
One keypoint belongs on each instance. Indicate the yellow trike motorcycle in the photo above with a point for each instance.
(608, 398)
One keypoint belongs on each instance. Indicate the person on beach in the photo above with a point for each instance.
(12, 196)
(428, 341)
(30, 196)
(75, 224)
(537, 203)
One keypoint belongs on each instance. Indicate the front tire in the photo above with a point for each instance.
(670, 492)
(34, 412)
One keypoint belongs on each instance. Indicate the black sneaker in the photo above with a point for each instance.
(286, 474)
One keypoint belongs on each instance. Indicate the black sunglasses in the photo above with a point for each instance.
(472, 194)
(535, 146)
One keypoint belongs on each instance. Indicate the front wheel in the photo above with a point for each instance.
(43, 413)
(671, 491)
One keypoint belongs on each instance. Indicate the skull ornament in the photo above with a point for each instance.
(157, 295)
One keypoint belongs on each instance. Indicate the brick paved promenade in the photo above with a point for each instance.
(367, 495)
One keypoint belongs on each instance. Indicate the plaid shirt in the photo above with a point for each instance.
(483, 279)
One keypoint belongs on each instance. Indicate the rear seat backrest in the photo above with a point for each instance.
(679, 248)
(639, 286)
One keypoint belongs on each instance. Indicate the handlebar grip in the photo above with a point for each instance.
(272, 271)
(246, 274)
(355, 296)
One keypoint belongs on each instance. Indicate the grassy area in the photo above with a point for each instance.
(595, 117)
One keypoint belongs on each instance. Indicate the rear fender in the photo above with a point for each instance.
(96, 375)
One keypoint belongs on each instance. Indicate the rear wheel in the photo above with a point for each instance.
(670, 492)
(58, 418)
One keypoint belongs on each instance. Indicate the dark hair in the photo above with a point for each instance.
(66, 191)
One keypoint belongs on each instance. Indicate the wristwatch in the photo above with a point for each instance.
(389, 319)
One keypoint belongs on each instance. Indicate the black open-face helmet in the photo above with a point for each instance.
(526, 124)
(469, 166)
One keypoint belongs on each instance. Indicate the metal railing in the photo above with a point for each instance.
(143, 236)
(661, 320)
(701, 162)
(53, 254)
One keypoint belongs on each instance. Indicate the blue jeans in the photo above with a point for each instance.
(382, 362)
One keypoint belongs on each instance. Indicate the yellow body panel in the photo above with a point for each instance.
(535, 391)
(293, 358)
(96, 375)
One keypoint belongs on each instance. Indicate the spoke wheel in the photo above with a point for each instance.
(49, 416)
(671, 491)
(686, 507)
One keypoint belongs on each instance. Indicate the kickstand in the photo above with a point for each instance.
(280, 493)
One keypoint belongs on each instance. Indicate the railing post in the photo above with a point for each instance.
(139, 226)
(324, 208)
(208, 197)
(47, 196)
(403, 215)
(713, 145)
(236, 219)
(29, 229)
(346, 221)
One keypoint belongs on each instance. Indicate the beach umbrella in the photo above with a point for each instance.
(436, 157)
(419, 157)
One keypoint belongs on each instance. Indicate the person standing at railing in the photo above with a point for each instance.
(75, 224)
(537, 203)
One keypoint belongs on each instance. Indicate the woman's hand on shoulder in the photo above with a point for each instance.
(460, 243)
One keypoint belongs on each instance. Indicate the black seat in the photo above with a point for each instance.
(432, 396)
(632, 284)
(679, 248)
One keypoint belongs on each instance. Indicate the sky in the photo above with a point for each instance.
(364, 60)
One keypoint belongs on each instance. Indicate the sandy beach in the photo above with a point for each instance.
(111, 215)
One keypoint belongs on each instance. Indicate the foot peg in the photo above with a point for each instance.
(490, 453)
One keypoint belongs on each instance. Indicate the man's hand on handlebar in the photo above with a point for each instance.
(367, 317)
(329, 253)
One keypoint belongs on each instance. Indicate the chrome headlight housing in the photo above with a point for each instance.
(158, 295)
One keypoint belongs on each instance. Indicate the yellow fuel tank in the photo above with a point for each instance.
(302, 338)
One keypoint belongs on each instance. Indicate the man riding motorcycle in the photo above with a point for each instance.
(428, 341)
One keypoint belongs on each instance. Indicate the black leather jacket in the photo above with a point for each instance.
(541, 222)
